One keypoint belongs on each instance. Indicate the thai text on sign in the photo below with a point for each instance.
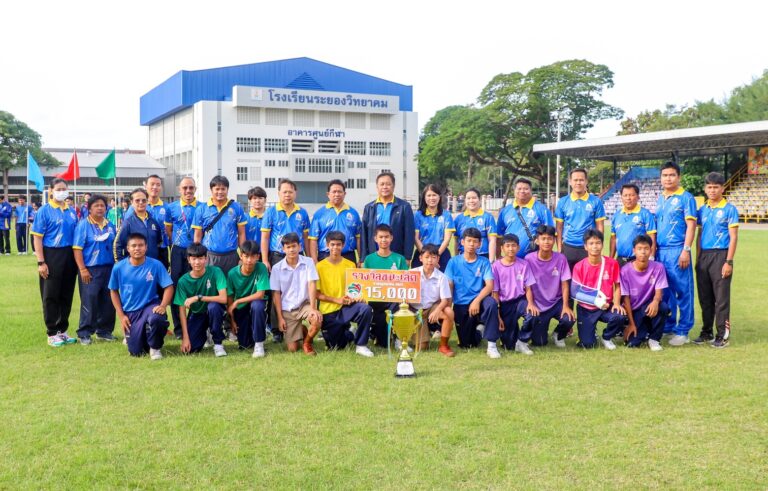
(384, 285)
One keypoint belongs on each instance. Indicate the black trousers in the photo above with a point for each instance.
(714, 292)
(179, 267)
(5, 241)
(58, 289)
(21, 237)
(162, 256)
(574, 254)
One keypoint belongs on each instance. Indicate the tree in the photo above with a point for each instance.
(16, 138)
(514, 112)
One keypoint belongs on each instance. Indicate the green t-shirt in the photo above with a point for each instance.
(240, 286)
(393, 261)
(207, 285)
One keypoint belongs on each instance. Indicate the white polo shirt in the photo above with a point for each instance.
(433, 288)
(292, 282)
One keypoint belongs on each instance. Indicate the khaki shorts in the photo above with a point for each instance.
(424, 334)
(294, 330)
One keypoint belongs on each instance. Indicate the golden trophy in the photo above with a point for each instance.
(404, 324)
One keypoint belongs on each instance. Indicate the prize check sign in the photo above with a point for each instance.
(384, 285)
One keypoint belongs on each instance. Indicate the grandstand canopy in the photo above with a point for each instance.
(690, 142)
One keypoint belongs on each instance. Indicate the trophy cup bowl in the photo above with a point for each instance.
(404, 324)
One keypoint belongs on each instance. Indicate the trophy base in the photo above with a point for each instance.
(405, 369)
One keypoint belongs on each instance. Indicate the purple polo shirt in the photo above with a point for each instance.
(642, 286)
(509, 281)
(548, 288)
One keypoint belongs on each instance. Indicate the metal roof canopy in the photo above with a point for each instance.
(659, 145)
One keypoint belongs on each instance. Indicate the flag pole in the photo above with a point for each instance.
(118, 208)
(28, 205)
(76, 171)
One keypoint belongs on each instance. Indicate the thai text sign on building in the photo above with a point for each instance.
(243, 96)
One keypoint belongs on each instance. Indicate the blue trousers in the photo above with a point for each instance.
(199, 324)
(540, 334)
(147, 330)
(97, 314)
(511, 311)
(648, 327)
(179, 267)
(336, 325)
(679, 295)
(587, 325)
(466, 325)
(251, 324)
(21, 237)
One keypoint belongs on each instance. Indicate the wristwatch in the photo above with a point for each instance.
(40, 263)
(199, 298)
(729, 262)
(687, 248)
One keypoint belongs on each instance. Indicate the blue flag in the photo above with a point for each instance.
(33, 172)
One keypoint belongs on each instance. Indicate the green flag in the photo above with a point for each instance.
(106, 169)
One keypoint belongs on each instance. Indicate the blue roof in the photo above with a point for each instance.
(185, 88)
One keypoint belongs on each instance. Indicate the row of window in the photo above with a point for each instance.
(281, 145)
(320, 166)
(309, 119)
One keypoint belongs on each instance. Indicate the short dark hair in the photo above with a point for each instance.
(578, 169)
(153, 176)
(383, 227)
(386, 173)
(219, 181)
(524, 181)
(643, 239)
(337, 182)
(472, 233)
(714, 178)
(545, 229)
(140, 190)
(257, 192)
(250, 248)
(631, 186)
(285, 180)
(58, 180)
(335, 235)
(472, 190)
(510, 238)
(136, 235)
(290, 238)
(94, 198)
(593, 233)
(196, 249)
(431, 249)
(671, 165)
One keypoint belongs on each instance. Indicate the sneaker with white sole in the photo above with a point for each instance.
(219, 350)
(364, 351)
(654, 345)
(481, 330)
(155, 354)
(436, 335)
(560, 343)
(258, 351)
(86, 340)
(232, 337)
(608, 344)
(522, 347)
(493, 351)
(67, 340)
(55, 341)
(208, 341)
(678, 340)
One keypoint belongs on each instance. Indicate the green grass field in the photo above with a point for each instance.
(92, 417)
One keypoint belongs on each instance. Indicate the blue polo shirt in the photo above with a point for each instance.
(346, 220)
(578, 215)
(468, 278)
(482, 220)
(384, 210)
(715, 222)
(222, 238)
(253, 229)
(628, 224)
(432, 228)
(6, 212)
(55, 224)
(95, 241)
(534, 213)
(22, 214)
(138, 284)
(672, 211)
(179, 216)
(280, 223)
(157, 211)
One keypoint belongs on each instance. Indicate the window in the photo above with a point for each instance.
(248, 115)
(300, 165)
(276, 117)
(218, 126)
(330, 119)
(269, 163)
(379, 121)
(350, 184)
(339, 166)
(354, 148)
(320, 166)
(351, 164)
(302, 146)
(282, 163)
(328, 146)
(362, 165)
(361, 183)
(303, 118)
(276, 145)
(247, 144)
(354, 120)
(380, 148)
(242, 173)
(269, 183)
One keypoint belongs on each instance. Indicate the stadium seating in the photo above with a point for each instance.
(749, 194)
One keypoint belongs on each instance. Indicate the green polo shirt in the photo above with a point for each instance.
(241, 286)
(207, 285)
(393, 261)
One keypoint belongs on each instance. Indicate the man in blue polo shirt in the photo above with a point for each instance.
(6, 211)
(575, 214)
(335, 215)
(522, 218)
(676, 226)
(257, 202)
(282, 219)
(139, 222)
(133, 287)
(178, 228)
(629, 222)
(22, 213)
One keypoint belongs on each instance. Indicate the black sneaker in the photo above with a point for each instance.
(703, 339)
(277, 337)
(720, 343)
(105, 337)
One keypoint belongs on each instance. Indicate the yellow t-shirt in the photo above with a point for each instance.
(332, 282)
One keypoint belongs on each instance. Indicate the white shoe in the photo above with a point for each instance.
(232, 337)
(219, 350)
(654, 345)
(678, 340)
(436, 335)
(155, 354)
(208, 341)
(493, 351)
(125, 341)
(608, 344)
(560, 343)
(522, 347)
(364, 351)
(258, 351)
(481, 330)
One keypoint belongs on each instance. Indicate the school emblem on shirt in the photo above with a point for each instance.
(555, 272)
(675, 201)
(635, 219)
(153, 227)
(441, 220)
(477, 271)
(149, 276)
(588, 207)
(208, 284)
(394, 266)
(231, 212)
(479, 222)
(605, 276)
(719, 213)
(519, 276)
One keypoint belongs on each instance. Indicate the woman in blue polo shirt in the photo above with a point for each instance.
(92, 245)
(476, 217)
(433, 224)
(53, 230)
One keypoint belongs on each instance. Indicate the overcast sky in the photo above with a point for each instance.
(74, 71)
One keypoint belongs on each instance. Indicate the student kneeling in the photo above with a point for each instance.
(247, 287)
(202, 292)
(133, 287)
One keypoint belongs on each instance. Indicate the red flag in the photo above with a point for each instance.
(73, 171)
